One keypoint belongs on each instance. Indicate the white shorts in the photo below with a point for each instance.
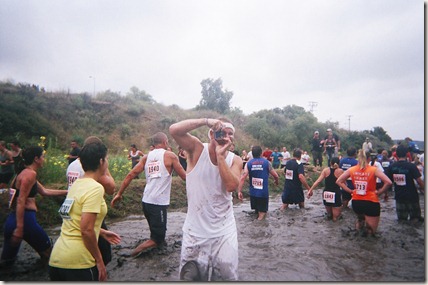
(217, 258)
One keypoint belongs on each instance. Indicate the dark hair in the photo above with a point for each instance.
(133, 145)
(401, 151)
(334, 162)
(257, 151)
(351, 151)
(91, 154)
(16, 143)
(297, 153)
(28, 156)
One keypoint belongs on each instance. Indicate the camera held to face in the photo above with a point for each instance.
(219, 135)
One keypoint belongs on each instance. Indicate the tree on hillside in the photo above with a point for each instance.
(381, 134)
(139, 95)
(213, 96)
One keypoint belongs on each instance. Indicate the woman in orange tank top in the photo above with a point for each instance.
(365, 201)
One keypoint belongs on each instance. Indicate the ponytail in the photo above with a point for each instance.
(362, 158)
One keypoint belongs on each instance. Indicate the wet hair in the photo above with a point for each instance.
(362, 158)
(334, 162)
(401, 151)
(91, 154)
(16, 143)
(3, 143)
(351, 151)
(297, 153)
(257, 151)
(159, 138)
(28, 156)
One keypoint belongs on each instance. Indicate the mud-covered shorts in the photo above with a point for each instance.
(217, 258)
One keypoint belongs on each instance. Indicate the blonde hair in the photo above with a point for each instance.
(362, 158)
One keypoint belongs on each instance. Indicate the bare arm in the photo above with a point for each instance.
(180, 132)
(341, 181)
(87, 224)
(49, 192)
(302, 179)
(318, 181)
(229, 176)
(177, 166)
(129, 177)
(386, 181)
(421, 184)
(241, 183)
(111, 237)
(108, 183)
(275, 176)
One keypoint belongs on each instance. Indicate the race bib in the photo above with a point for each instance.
(361, 187)
(257, 183)
(329, 197)
(289, 174)
(153, 169)
(399, 179)
(385, 164)
(72, 176)
(65, 208)
(12, 193)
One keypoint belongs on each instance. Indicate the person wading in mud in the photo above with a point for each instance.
(209, 249)
(158, 165)
(365, 200)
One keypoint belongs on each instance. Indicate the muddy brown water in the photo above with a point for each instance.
(295, 245)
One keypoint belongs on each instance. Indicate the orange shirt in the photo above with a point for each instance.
(364, 181)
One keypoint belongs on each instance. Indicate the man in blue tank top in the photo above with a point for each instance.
(258, 169)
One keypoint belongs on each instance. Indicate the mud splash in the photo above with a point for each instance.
(297, 245)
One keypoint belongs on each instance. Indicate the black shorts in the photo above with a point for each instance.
(259, 204)
(156, 217)
(292, 196)
(367, 208)
(61, 274)
(337, 199)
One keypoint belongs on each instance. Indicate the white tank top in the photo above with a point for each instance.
(158, 179)
(210, 207)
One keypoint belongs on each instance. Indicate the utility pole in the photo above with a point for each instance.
(312, 105)
(94, 83)
(349, 122)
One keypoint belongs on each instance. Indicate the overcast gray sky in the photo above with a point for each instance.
(358, 58)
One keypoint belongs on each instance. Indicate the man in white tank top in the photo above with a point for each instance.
(158, 165)
(210, 244)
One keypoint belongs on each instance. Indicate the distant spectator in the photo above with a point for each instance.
(367, 145)
(285, 157)
(16, 154)
(74, 153)
(275, 158)
(6, 165)
(317, 149)
(305, 158)
(267, 154)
